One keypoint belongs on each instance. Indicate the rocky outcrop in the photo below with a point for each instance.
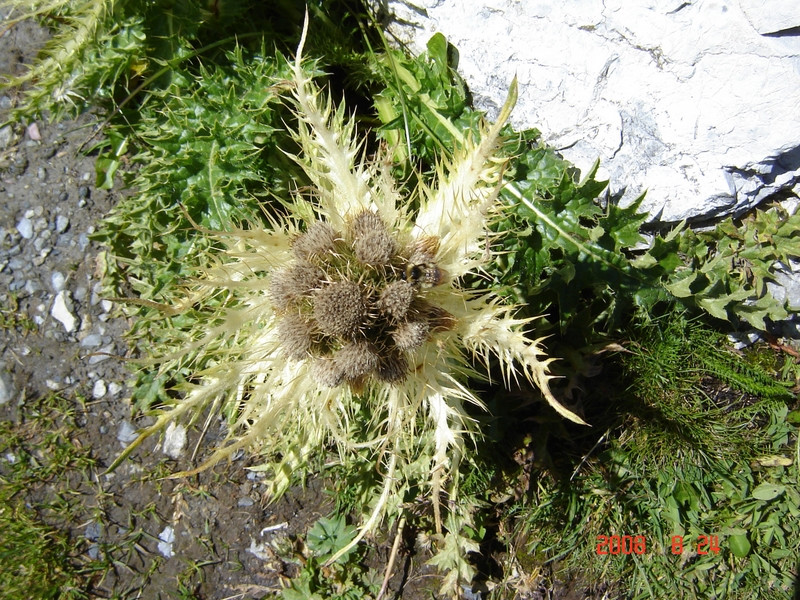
(695, 102)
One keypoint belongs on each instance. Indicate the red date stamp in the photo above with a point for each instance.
(706, 544)
(637, 544)
(621, 544)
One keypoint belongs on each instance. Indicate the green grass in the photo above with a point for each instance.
(688, 451)
(38, 556)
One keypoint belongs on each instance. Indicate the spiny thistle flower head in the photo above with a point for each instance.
(355, 299)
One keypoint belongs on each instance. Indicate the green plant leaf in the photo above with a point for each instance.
(739, 545)
(768, 491)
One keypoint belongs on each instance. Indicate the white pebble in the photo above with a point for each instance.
(99, 390)
(114, 388)
(61, 312)
(174, 440)
(62, 223)
(166, 539)
(25, 228)
(91, 341)
(57, 281)
(101, 354)
(6, 387)
(126, 433)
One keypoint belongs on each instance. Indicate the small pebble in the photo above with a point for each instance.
(40, 224)
(126, 433)
(6, 137)
(166, 539)
(62, 223)
(101, 354)
(25, 228)
(91, 341)
(32, 286)
(99, 389)
(61, 312)
(33, 132)
(6, 387)
(174, 440)
(16, 264)
(114, 388)
(42, 256)
(57, 281)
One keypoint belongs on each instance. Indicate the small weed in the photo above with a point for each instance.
(12, 318)
(344, 579)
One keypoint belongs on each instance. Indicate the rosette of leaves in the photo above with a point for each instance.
(347, 320)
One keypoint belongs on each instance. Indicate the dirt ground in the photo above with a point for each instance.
(210, 536)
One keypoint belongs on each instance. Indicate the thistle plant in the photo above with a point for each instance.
(352, 303)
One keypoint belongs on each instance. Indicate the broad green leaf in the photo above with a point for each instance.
(739, 545)
(768, 491)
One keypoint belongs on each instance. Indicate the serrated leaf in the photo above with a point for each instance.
(682, 288)
(716, 307)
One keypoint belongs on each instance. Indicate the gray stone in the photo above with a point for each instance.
(104, 353)
(7, 137)
(25, 228)
(683, 99)
(92, 340)
(126, 433)
(62, 223)
(6, 387)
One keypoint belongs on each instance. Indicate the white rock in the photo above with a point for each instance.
(57, 281)
(684, 99)
(6, 387)
(101, 354)
(91, 341)
(174, 440)
(25, 228)
(165, 540)
(261, 551)
(61, 312)
(99, 389)
(126, 433)
(62, 223)
(771, 16)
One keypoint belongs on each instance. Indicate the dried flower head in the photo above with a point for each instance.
(365, 307)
